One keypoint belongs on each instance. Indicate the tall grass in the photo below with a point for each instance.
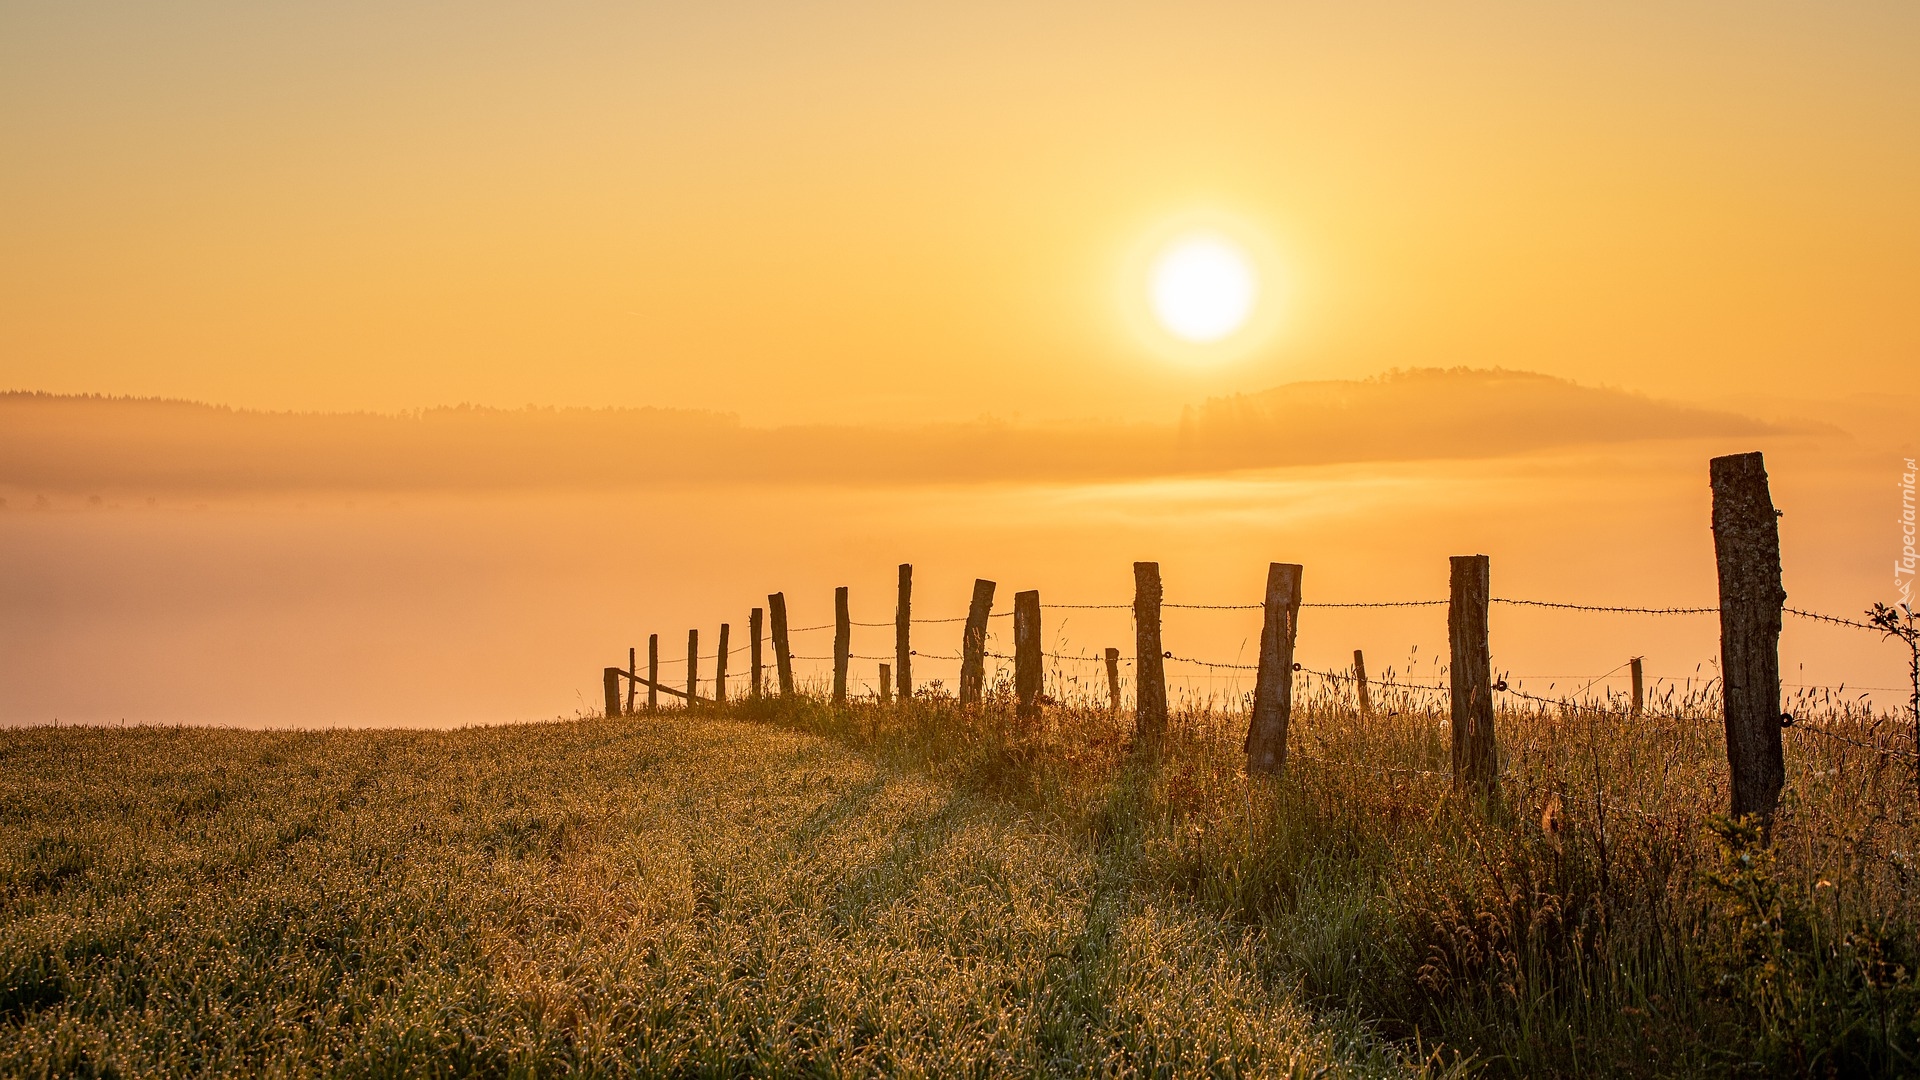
(678, 896)
(1599, 916)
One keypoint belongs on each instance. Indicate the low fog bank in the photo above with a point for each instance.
(85, 444)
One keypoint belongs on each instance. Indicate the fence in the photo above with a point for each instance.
(1751, 609)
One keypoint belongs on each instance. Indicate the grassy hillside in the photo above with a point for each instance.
(920, 889)
(656, 897)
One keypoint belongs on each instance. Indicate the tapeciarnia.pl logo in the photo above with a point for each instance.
(1903, 567)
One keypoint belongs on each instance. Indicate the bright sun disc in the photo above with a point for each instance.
(1203, 288)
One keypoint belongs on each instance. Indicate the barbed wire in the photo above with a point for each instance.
(1834, 619)
(1890, 751)
(1609, 608)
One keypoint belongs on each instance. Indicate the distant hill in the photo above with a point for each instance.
(74, 443)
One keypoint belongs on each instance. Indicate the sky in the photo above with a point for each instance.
(866, 212)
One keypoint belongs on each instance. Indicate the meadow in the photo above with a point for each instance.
(916, 889)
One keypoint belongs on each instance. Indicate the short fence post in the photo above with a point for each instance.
(973, 643)
(842, 644)
(1639, 688)
(782, 656)
(1471, 675)
(1273, 687)
(886, 684)
(1026, 652)
(633, 669)
(1360, 684)
(693, 668)
(755, 621)
(1113, 678)
(1746, 544)
(1149, 673)
(720, 668)
(653, 672)
(903, 633)
(610, 682)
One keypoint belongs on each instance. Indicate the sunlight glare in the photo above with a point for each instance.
(1203, 288)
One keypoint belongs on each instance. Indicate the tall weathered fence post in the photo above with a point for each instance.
(903, 633)
(973, 643)
(1639, 688)
(1475, 761)
(720, 668)
(886, 684)
(1113, 678)
(693, 668)
(755, 628)
(1360, 684)
(653, 672)
(842, 644)
(782, 656)
(633, 669)
(1273, 687)
(610, 682)
(1746, 544)
(1149, 673)
(1026, 652)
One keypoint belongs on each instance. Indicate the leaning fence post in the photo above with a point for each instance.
(1149, 673)
(1746, 544)
(1360, 684)
(754, 621)
(1471, 675)
(720, 668)
(633, 669)
(1639, 688)
(653, 672)
(782, 656)
(1273, 688)
(886, 684)
(973, 643)
(693, 668)
(1026, 652)
(610, 682)
(903, 633)
(1113, 678)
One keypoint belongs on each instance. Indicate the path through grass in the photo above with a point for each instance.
(683, 897)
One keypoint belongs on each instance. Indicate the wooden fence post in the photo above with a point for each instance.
(1475, 761)
(653, 672)
(973, 643)
(842, 644)
(1746, 544)
(1639, 688)
(903, 633)
(610, 682)
(1149, 672)
(1360, 684)
(755, 626)
(1113, 678)
(720, 668)
(633, 669)
(1273, 687)
(886, 684)
(693, 668)
(782, 656)
(1026, 652)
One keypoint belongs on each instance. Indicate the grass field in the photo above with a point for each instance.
(795, 889)
(681, 897)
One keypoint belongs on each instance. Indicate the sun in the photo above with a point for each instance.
(1203, 288)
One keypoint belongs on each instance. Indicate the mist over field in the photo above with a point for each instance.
(204, 565)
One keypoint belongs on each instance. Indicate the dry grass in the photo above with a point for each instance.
(1600, 916)
(686, 897)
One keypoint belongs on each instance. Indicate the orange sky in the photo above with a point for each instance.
(860, 211)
